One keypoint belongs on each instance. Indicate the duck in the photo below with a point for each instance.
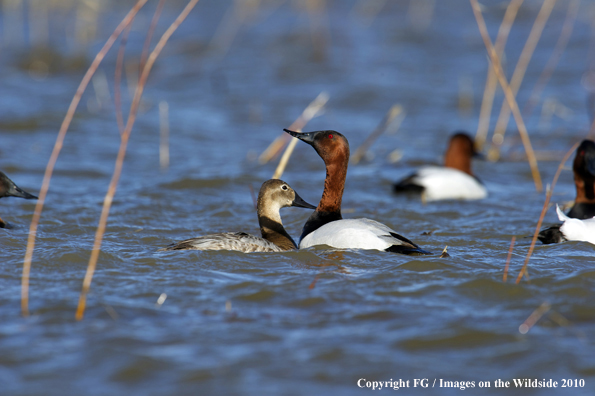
(274, 194)
(9, 189)
(326, 226)
(583, 168)
(573, 229)
(454, 180)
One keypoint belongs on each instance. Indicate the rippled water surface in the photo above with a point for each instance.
(297, 323)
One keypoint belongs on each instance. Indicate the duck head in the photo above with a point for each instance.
(9, 189)
(276, 193)
(331, 146)
(584, 172)
(460, 151)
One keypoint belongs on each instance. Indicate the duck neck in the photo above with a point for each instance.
(271, 228)
(585, 191)
(458, 161)
(329, 207)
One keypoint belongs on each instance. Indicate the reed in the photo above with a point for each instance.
(118, 79)
(163, 134)
(309, 112)
(519, 74)
(314, 108)
(534, 317)
(548, 196)
(505, 276)
(489, 91)
(509, 95)
(149, 38)
(58, 147)
(390, 118)
(552, 62)
(122, 153)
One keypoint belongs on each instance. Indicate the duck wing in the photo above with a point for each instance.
(238, 241)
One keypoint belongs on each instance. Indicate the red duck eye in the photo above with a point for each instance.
(330, 136)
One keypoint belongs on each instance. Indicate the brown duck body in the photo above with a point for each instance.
(273, 195)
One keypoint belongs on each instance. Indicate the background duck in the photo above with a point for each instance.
(583, 168)
(274, 194)
(576, 229)
(326, 225)
(454, 180)
(9, 189)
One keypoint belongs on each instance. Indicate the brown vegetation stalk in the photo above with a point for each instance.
(551, 64)
(509, 95)
(505, 276)
(58, 146)
(395, 111)
(147, 44)
(492, 81)
(309, 112)
(122, 153)
(548, 196)
(118, 79)
(519, 73)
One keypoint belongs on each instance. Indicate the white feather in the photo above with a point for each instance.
(448, 183)
(352, 234)
(576, 229)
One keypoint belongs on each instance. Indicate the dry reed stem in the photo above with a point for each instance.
(395, 111)
(277, 145)
(489, 91)
(147, 44)
(505, 276)
(122, 153)
(509, 95)
(548, 196)
(519, 74)
(534, 317)
(118, 79)
(58, 146)
(309, 112)
(313, 284)
(551, 64)
(163, 134)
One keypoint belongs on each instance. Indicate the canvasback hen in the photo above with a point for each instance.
(454, 180)
(583, 169)
(273, 195)
(9, 189)
(576, 229)
(326, 226)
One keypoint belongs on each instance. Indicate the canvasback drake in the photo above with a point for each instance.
(583, 168)
(273, 195)
(9, 189)
(576, 229)
(326, 226)
(454, 180)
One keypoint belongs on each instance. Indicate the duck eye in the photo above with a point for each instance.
(330, 136)
(284, 187)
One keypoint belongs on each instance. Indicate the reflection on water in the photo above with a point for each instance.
(308, 322)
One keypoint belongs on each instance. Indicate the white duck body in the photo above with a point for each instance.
(353, 234)
(441, 182)
(576, 229)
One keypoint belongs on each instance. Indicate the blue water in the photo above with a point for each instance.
(296, 323)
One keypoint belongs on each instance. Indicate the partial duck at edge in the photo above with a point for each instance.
(583, 168)
(274, 194)
(454, 180)
(326, 225)
(9, 189)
